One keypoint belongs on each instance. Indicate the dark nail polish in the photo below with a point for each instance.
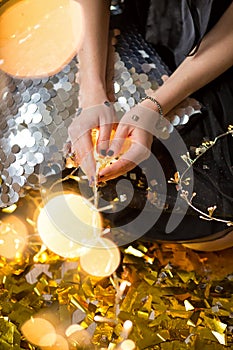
(91, 181)
(103, 152)
(110, 153)
(107, 103)
(101, 176)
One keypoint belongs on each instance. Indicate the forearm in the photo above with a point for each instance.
(93, 52)
(214, 56)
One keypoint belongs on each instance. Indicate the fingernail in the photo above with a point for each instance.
(107, 103)
(110, 153)
(91, 181)
(103, 152)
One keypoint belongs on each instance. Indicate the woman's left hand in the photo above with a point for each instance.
(131, 143)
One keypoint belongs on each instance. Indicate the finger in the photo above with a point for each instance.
(88, 166)
(164, 77)
(84, 154)
(118, 141)
(134, 156)
(66, 149)
(136, 153)
(104, 139)
(120, 167)
(106, 119)
(67, 154)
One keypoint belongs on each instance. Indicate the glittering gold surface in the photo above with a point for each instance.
(176, 298)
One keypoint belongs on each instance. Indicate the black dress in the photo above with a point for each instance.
(174, 28)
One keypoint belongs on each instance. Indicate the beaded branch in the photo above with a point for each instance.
(179, 179)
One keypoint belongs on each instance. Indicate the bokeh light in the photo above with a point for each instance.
(102, 259)
(78, 335)
(13, 237)
(68, 214)
(39, 331)
(60, 344)
(127, 344)
(37, 38)
(127, 328)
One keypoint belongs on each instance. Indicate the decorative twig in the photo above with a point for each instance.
(179, 180)
(205, 147)
(204, 216)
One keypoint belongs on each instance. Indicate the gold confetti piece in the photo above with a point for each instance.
(149, 280)
(103, 334)
(143, 314)
(92, 308)
(85, 323)
(108, 292)
(226, 303)
(179, 313)
(149, 259)
(88, 287)
(186, 276)
(76, 303)
(193, 321)
(188, 305)
(215, 325)
(135, 252)
(160, 336)
(129, 300)
(150, 277)
(147, 305)
(207, 305)
(41, 257)
(9, 335)
(142, 248)
(221, 337)
(111, 346)
(169, 273)
(10, 209)
(161, 319)
(161, 300)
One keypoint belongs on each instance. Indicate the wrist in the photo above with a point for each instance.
(149, 104)
(152, 103)
(91, 94)
(88, 77)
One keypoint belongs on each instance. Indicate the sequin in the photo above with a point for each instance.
(37, 112)
(24, 137)
(184, 119)
(176, 120)
(135, 118)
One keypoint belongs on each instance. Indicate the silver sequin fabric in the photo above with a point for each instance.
(36, 113)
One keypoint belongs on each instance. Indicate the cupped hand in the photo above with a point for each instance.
(139, 125)
(101, 117)
(132, 141)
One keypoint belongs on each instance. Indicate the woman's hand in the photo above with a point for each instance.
(138, 126)
(132, 141)
(92, 58)
(139, 150)
(100, 117)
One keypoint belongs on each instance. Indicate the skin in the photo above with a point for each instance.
(96, 72)
(214, 56)
(194, 72)
(94, 66)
